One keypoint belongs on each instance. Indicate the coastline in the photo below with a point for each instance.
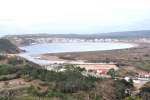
(124, 58)
(56, 58)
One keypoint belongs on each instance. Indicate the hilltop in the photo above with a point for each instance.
(118, 35)
(7, 47)
(127, 36)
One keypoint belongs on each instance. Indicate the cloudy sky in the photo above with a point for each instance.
(73, 16)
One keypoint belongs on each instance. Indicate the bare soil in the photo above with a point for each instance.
(137, 56)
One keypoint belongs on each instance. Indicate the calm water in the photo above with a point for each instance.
(73, 47)
(69, 47)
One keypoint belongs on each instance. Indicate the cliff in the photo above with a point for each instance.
(7, 47)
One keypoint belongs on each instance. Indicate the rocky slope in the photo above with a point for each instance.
(7, 47)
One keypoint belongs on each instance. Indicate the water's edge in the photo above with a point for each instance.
(68, 47)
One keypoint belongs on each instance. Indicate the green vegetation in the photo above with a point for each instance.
(126, 72)
(133, 98)
(40, 84)
(143, 95)
(69, 84)
(144, 65)
(6, 69)
(112, 73)
(123, 89)
(145, 91)
(69, 81)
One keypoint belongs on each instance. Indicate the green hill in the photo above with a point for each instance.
(7, 47)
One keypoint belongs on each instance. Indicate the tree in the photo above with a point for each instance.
(145, 91)
(112, 73)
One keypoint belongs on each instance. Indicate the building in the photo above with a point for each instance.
(99, 68)
(144, 74)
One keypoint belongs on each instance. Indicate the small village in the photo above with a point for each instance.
(101, 70)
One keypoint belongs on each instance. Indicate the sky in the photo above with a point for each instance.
(73, 16)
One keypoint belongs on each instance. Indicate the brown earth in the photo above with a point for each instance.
(137, 56)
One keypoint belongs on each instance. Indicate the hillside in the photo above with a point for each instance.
(27, 39)
(23, 80)
(7, 47)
